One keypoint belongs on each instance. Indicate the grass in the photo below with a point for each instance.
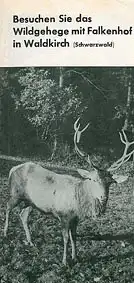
(104, 259)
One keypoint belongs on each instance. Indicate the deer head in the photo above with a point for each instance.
(106, 175)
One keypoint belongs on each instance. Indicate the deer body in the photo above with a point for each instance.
(50, 192)
(66, 197)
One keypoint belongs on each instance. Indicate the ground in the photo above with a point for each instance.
(109, 257)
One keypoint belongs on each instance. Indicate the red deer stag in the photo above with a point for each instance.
(66, 197)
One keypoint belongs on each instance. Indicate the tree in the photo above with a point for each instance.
(51, 99)
(45, 103)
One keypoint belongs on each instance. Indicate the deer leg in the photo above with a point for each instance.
(24, 217)
(10, 205)
(72, 234)
(72, 245)
(65, 239)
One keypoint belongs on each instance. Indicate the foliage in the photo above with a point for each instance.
(44, 104)
(47, 108)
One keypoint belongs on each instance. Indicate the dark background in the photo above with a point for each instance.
(38, 107)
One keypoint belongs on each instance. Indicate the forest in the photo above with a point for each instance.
(38, 110)
(40, 105)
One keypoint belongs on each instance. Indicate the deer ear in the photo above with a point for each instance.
(84, 173)
(119, 178)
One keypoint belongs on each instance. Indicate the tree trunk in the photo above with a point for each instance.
(61, 76)
(1, 134)
(54, 147)
(3, 86)
(128, 110)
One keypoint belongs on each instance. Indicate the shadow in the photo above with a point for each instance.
(108, 237)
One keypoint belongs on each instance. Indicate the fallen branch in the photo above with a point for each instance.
(108, 237)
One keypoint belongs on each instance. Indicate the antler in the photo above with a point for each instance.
(125, 157)
(77, 136)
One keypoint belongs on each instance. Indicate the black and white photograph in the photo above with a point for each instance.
(67, 174)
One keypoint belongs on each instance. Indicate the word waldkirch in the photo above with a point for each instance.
(50, 35)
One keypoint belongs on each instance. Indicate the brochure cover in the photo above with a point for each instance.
(66, 141)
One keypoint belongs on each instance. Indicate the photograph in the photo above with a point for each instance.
(67, 174)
